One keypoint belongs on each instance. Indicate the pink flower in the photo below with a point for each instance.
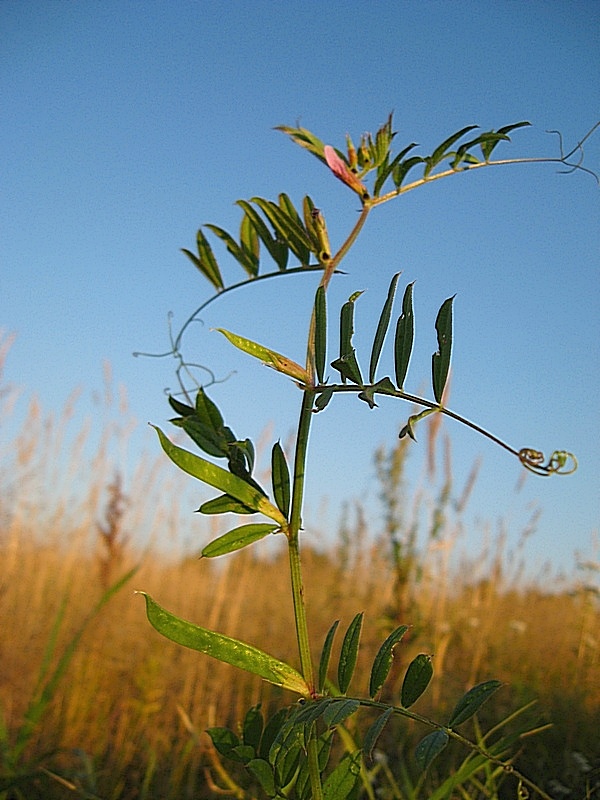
(341, 170)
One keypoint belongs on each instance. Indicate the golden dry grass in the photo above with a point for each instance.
(135, 704)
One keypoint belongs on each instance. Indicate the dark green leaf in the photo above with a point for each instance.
(224, 648)
(253, 727)
(288, 228)
(271, 731)
(438, 154)
(205, 261)
(244, 753)
(278, 250)
(225, 504)
(180, 408)
(387, 167)
(320, 333)
(417, 678)
(326, 655)
(246, 260)
(470, 703)
(263, 772)
(405, 333)
(204, 436)
(323, 398)
(384, 386)
(346, 364)
(383, 660)
(207, 411)
(430, 747)
(237, 539)
(225, 742)
(349, 653)
(382, 327)
(281, 479)
(342, 781)
(441, 359)
(488, 146)
(403, 168)
(339, 710)
(374, 732)
(250, 244)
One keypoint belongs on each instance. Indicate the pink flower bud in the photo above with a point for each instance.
(340, 169)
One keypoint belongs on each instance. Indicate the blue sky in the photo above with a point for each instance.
(127, 125)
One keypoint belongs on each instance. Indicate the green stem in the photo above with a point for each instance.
(295, 525)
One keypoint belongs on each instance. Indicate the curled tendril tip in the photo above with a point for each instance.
(561, 462)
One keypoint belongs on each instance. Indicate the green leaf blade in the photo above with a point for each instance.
(383, 660)
(441, 359)
(271, 358)
(349, 653)
(471, 702)
(429, 748)
(326, 656)
(280, 475)
(224, 648)
(404, 338)
(320, 311)
(417, 679)
(237, 539)
(342, 781)
(374, 732)
(382, 328)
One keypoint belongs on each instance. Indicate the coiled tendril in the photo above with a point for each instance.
(561, 462)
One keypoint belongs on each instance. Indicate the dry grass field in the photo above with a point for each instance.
(126, 718)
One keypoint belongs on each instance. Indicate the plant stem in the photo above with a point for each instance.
(295, 525)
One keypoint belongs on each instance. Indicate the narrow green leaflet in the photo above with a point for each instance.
(215, 476)
(344, 778)
(238, 538)
(280, 475)
(417, 678)
(205, 261)
(346, 364)
(488, 146)
(430, 747)
(250, 244)
(440, 152)
(269, 357)
(326, 655)
(289, 228)
(323, 398)
(245, 259)
(224, 648)
(374, 732)
(320, 333)
(471, 702)
(180, 408)
(225, 504)
(338, 711)
(349, 653)
(382, 328)
(305, 139)
(278, 250)
(441, 360)
(383, 660)
(405, 334)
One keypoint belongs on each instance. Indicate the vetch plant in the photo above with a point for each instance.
(292, 754)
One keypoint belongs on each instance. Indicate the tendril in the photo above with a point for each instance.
(561, 462)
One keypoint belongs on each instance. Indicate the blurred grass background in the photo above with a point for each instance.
(127, 718)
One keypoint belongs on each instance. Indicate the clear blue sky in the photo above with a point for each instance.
(127, 125)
